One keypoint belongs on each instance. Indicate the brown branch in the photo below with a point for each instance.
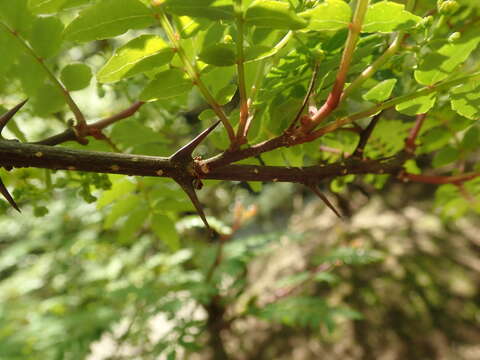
(14, 154)
(365, 136)
(91, 129)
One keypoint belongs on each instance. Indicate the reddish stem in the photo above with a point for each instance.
(440, 180)
(410, 144)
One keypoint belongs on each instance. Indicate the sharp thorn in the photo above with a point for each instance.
(5, 118)
(186, 151)
(190, 191)
(8, 197)
(327, 202)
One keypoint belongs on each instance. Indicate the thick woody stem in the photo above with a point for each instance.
(14, 154)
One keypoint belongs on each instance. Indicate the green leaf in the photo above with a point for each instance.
(46, 36)
(166, 85)
(139, 55)
(164, 228)
(48, 100)
(330, 15)
(210, 9)
(445, 156)
(45, 6)
(119, 189)
(121, 208)
(132, 225)
(76, 76)
(471, 139)
(465, 100)
(108, 18)
(130, 132)
(387, 16)
(273, 14)
(16, 15)
(381, 91)
(219, 55)
(434, 139)
(419, 105)
(444, 59)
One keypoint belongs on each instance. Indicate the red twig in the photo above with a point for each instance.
(410, 144)
(440, 180)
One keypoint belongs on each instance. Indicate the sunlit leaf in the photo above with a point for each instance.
(164, 228)
(387, 16)
(139, 55)
(329, 15)
(445, 57)
(210, 9)
(108, 18)
(381, 91)
(273, 14)
(465, 100)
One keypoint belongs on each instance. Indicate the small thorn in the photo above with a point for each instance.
(186, 151)
(5, 118)
(190, 191)
(327, 202)
(8, 197)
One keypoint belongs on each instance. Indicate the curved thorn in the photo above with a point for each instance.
(5, 118)
(186, 151)
(190, 191)
(8, 197)
(327, 202)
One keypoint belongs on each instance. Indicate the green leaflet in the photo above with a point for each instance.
(330, 15)
(133, 224)
(442, 61)
(139, 55)
(381, 91)
(45, 6)
(46, 38)
(210, 9)
(471, 139)
(273, 14)
(465, 100)
(120, 188)
(445, 156)
(387, 16)
(16, 15)
(166, 85)
(76, 76)
(419, 105)
(121, 208)
(108, 18)
(164, 228)
(219, 55)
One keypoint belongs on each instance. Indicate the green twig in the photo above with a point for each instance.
(81, 123)
(390, 103)
(377, 64)
(240, 22)
(193, 72)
